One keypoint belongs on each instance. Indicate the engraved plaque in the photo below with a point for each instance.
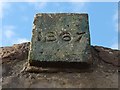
(60, 37)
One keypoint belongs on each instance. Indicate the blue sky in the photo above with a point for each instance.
(17, 20)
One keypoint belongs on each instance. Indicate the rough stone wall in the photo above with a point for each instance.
(102, 74)
(20, 51)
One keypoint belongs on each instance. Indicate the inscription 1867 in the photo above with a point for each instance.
(65, 36)
(62, 37)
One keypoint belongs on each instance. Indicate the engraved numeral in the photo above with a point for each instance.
(50, 36)
(80, 35)
(66, 36)
(39, 36)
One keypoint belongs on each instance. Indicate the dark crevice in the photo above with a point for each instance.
(59, 64)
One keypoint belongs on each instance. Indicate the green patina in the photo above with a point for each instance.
(60, 37)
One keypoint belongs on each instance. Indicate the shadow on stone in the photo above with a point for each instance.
(37, 67)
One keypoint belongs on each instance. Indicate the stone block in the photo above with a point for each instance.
(60, 37)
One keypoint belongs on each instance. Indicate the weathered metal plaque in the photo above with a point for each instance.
(62, 37)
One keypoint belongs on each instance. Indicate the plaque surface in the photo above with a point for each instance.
(62, 37)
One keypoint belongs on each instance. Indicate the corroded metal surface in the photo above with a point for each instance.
(62, 37)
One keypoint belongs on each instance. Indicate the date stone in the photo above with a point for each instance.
(60, 37)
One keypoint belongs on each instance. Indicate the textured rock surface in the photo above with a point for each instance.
(60, 37)
(17, 51)
(102, 74)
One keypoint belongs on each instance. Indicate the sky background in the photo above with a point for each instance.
(17, 20)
